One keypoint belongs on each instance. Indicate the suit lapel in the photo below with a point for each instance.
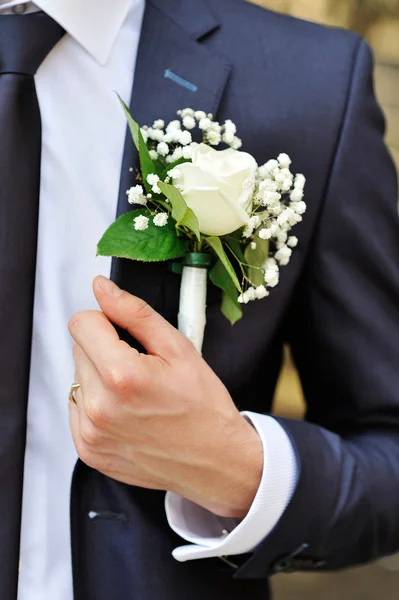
(173, 71)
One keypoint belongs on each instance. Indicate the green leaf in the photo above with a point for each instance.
(181, 213)
(146, 163)
(215, 243)
(151, 245)
(133, 126)
(235, 247)
(230, 307)
(257, 258)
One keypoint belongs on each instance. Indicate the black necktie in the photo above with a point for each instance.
(25, 41)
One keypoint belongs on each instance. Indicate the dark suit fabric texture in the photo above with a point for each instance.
(295, 87)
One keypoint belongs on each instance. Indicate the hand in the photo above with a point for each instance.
(161, 420)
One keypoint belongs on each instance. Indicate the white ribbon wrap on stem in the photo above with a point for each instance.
(192, 309)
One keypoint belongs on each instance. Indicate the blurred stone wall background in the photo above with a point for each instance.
(378, 22)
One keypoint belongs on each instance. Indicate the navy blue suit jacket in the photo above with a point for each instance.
(299, 88)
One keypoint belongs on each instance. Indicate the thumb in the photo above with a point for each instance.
(147, 326)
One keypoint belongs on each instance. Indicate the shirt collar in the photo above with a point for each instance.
(95, 24)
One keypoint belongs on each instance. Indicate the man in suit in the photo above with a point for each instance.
(254, 495)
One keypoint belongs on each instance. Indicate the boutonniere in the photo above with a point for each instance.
(215, 213)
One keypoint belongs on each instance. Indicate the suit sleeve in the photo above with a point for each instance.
(343, 327)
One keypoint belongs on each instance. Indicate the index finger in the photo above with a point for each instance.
(97, 337)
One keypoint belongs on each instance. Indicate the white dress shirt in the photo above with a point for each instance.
(83, 131)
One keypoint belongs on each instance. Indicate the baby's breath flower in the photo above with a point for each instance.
(173, 126)
(286, 173)
(214, 138)
(215, 126)
(292, 241)
(185, 138)
(152, 178)
(163, 149)
(248, 296)
(284, 178)
(228, 137)
(254, 221)
(300, 207)
(282, 237)
(261, 292)
(247, 232)
(135, 195)
(284, 160)
(285, 216)
(270, 198)
(189, 122)
(177, 154)
(236, 144)
(271, 264)
(230, 126)
(174, 173)
(294, 217)
(199, 115)
(265, 234)
(253, 245)
(205, 124)
(267, 168)
(153, 154)
(300, 181)
(161, 219)
(296, 194)
(159, 124)
(276, 210)
(274, 229)
(155, 134)
(286, 185)
(272, 277)
(141, 223)
(283, 255)
(186, 112)
(187, 152)
(268, 185)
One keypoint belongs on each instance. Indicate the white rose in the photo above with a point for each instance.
(218, 186)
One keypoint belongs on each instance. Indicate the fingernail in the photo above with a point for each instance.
(107, 286)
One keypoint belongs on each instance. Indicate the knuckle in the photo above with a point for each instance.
(118, 380)
(142, 310)
(90, 434)
(74, 323)
(97, 414)
(183, 349)
(80, 319)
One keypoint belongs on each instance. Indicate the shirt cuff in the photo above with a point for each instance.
(212, 536)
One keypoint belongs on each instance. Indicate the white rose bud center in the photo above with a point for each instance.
(218, 186)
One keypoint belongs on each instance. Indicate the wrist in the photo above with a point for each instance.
(236, 473)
